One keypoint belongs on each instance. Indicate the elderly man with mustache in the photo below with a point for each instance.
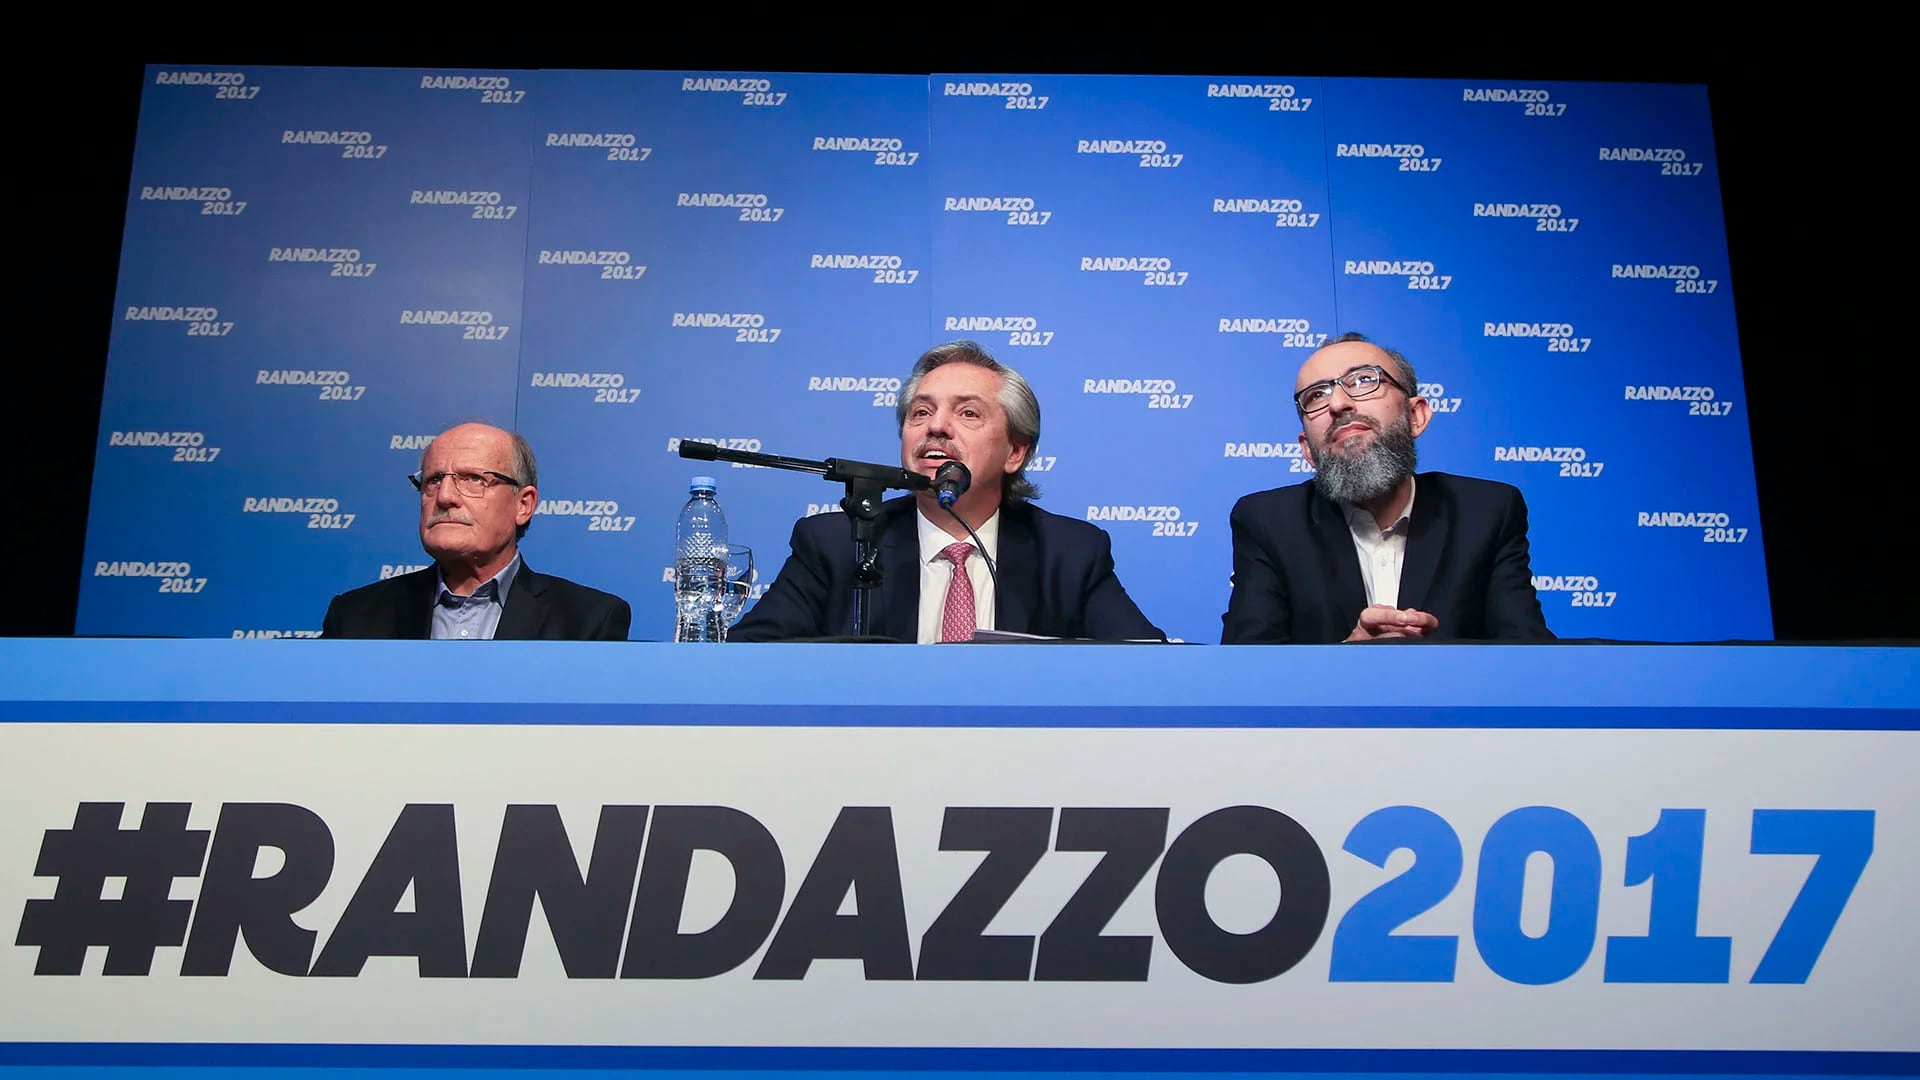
(1051, 575)
(1368, 549)
(478, 489)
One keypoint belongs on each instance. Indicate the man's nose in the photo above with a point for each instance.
(446, 494)
(1345, 392)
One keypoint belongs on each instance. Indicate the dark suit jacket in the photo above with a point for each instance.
(1054, 577)
(1296, 576)
(539, 607)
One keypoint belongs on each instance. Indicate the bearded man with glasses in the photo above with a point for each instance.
(478, 487)
(1366, 549)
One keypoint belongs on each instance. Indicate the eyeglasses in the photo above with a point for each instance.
(1361, 383)
(473, 485)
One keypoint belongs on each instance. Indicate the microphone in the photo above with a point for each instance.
(951, 481)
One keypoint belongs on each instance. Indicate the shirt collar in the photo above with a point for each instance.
(934, 539)
(494, 588)
(1360, 519)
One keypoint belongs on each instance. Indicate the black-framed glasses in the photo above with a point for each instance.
(473, 485)
(1360, 383)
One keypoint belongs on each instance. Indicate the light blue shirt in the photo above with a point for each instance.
(471, 618)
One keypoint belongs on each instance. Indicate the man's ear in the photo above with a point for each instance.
(1419, 414)
(1017, 457)
(1306, 450)
(528, 498)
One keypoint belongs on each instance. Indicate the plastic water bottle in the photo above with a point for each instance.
(699, 566)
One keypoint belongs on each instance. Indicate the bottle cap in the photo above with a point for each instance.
(701, 483)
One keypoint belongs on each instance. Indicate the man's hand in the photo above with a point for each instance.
(1381, 621)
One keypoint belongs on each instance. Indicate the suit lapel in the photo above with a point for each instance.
(1016, 589)
(1426, 543)
(896, 602)
(1340, 561)
(525, 612)
(414, 619)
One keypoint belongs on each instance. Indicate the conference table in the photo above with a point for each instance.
(401, 858)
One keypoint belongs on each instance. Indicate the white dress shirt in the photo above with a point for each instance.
(936, 572)
(1382, 552)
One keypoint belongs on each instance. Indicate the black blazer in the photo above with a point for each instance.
(539, 607)
(1054, 577)
(1296, 576)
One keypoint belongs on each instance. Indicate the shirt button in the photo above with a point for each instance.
(464, 633)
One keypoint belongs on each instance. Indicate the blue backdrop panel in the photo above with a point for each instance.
(365, 276)
(1535, 343)
(784, 258)
(1117, 282)
(323, 267)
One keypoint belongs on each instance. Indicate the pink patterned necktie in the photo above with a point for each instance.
(957, 621)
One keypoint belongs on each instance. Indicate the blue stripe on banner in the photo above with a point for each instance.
(711, 1062)
(88, 1072)
(1348, 678)
(982, 716)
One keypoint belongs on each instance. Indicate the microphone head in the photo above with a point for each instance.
(954, 472)
(700, 451)
(952, 480)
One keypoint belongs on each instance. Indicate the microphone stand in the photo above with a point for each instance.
(866, 485)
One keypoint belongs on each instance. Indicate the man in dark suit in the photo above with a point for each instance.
(478, 489)
(1368, 549)
(1055, 574)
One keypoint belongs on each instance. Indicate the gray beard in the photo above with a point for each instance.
(1375, 471)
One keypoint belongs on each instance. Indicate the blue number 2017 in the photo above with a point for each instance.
(1666, 858)
(1365, 948)
(1843, 840)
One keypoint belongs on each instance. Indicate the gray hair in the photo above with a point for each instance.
(1402, 367)
(527, 471)
(520, 464)
(1016, 399)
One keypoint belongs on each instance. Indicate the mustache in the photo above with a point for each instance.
(935, 444)
(1339, 422)
(441, 517)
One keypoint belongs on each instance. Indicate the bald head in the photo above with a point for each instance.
(524, 469)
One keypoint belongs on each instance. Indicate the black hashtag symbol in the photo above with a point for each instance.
(82, 858)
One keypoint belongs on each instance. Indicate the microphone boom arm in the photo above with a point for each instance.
(837, 470)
